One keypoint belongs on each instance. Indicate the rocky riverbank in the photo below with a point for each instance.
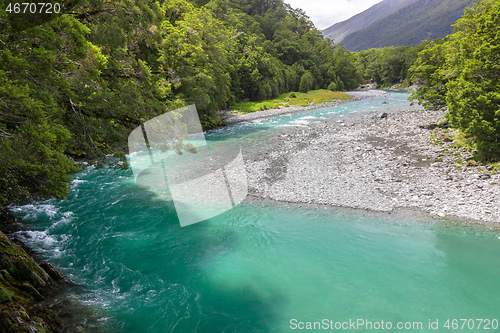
(24, 286)
(379, 162)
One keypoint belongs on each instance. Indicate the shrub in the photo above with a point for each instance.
(306, 82)
(265, 92)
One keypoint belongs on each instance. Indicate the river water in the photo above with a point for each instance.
(262, 266)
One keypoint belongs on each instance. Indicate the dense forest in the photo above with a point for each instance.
(388, 66)
(74, 84)
(462, 73)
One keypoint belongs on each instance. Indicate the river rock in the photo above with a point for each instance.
(51, 271)
(23, 283)
(325, 165)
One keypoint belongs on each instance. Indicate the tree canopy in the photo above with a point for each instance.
(388, 65)
(462, 73)
(75, 84)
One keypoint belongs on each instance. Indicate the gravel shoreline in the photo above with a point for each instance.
(367, 162)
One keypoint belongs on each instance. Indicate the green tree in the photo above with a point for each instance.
(306, 82)
(345, 69)
(388, 65)
(428, 70)
(196, 50)
(75, 84)
(473, 95)
(463, 74)
(36, 63)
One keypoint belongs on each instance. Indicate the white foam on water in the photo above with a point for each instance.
(76, 182)
(300, 122)
(66, 219)
(67, 214)
(31, 211)
(50, 241)
(56, 253)
(134, 153)
(40, 238)
(290, 125)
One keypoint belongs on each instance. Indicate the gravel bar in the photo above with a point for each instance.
(375, 162)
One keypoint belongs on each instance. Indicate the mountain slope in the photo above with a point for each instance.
(340, 30)
(409, 25)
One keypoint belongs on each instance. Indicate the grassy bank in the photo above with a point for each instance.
(312, 97)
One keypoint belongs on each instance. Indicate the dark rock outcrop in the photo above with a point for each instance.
(23, 285)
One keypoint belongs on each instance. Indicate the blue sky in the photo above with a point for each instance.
(324, 13)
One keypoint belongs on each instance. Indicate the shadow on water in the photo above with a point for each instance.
(138, 269)
(174, 261)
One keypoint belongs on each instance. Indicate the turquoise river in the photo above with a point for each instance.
(262, 266)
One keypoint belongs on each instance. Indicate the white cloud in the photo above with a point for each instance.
(325, 13)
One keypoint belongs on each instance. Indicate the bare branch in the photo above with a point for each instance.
(4, 134)
(83, 123)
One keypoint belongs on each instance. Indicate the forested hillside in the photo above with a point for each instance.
(74, 84)
(387, 66)
(461, 72)
(423, 19)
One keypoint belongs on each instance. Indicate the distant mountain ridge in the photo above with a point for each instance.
(410, 25)
(413, 22)
(340, 30)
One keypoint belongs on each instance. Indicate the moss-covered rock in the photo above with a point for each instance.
(23, 283)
